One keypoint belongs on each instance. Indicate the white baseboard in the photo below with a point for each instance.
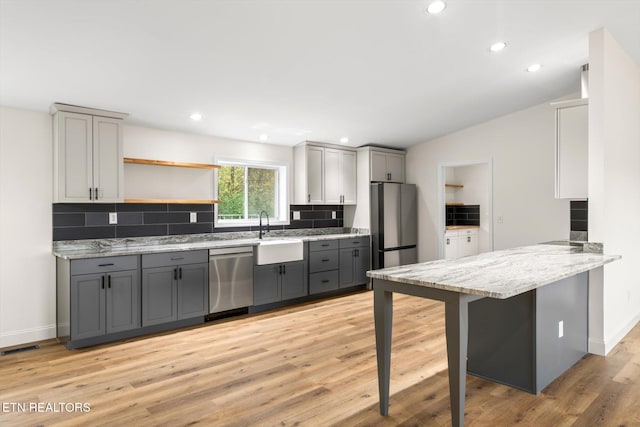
(597, 347)
(24, 336)
(611, 342)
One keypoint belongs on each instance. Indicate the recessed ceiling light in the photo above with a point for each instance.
(263, 137)
(344, 140)
(533, 68)
(436, 7)
(497, 47)
(196, 117)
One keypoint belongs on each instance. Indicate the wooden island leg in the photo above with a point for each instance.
(383, 318)
(457, 326)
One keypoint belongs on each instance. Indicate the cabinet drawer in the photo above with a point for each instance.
(323, 261)
(174, 258)
(323, 245)
(355, 242)
(104, 265)
(323, 282)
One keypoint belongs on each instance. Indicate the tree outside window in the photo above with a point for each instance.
(245, 191)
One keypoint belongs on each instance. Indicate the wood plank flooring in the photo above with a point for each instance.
(310, 365)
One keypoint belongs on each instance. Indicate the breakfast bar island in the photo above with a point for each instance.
(516, 316)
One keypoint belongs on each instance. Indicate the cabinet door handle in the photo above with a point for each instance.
(175, 273)
(284, 269)
(308, 198)
(176, 259)
(90, 193)
(448, 241)
(96, 193)
(180, 273)
(356, 242)
(469, 239)
(109, 280)
(280, 272)
(357, 252)
(324, 245)
(325, 281)
(102, 282)
(325, 260)
(105, 265)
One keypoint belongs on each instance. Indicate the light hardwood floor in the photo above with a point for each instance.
(311, 365)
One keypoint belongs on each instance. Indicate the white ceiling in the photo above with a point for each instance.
(380, 72)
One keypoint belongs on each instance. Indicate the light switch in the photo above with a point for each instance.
(193, 216)
(296, 215)
(113, 217)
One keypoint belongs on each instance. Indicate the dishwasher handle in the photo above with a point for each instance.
(239, 251)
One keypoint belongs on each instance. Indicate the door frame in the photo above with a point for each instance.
(441, 199)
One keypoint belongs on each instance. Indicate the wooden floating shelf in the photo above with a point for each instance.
(176, 201)
(454, 185)
(454, 204)
(166, 163)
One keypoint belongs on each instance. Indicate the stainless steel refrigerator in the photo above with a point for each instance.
(394, 224)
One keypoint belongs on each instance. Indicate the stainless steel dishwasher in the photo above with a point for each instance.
(230, 278)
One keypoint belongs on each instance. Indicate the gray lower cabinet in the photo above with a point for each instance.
(174, 286)
(354, 262)
(324, 265)
(103, 302)
(278, 282)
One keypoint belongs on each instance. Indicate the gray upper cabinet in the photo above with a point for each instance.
(386, 166)
(107, 300)
(324, 174)
(175, 286)
(572, 147)
(88, 159)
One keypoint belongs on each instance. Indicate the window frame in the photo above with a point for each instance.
(282, 193)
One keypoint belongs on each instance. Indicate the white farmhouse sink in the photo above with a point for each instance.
(275, 251)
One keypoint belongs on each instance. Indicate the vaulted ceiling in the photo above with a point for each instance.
(382, 72)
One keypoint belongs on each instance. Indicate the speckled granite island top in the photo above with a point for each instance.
(78, 249)
(500, 274)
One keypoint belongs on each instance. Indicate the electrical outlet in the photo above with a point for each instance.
(333, 214)
(296, 215)
(113, 217)
(193, 216)
(561, 329)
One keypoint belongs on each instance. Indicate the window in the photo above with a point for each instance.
(244, 190)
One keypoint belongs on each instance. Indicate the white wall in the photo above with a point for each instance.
(27, 268)
(522, 146)
(149, 143)
(614, 199)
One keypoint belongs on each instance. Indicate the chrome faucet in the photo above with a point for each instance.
(268, 228)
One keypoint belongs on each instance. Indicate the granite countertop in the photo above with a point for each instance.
(77, 249)
(499, 274)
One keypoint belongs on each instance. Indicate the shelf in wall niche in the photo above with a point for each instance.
(175, 201)
(167, 163)
(454, 185)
